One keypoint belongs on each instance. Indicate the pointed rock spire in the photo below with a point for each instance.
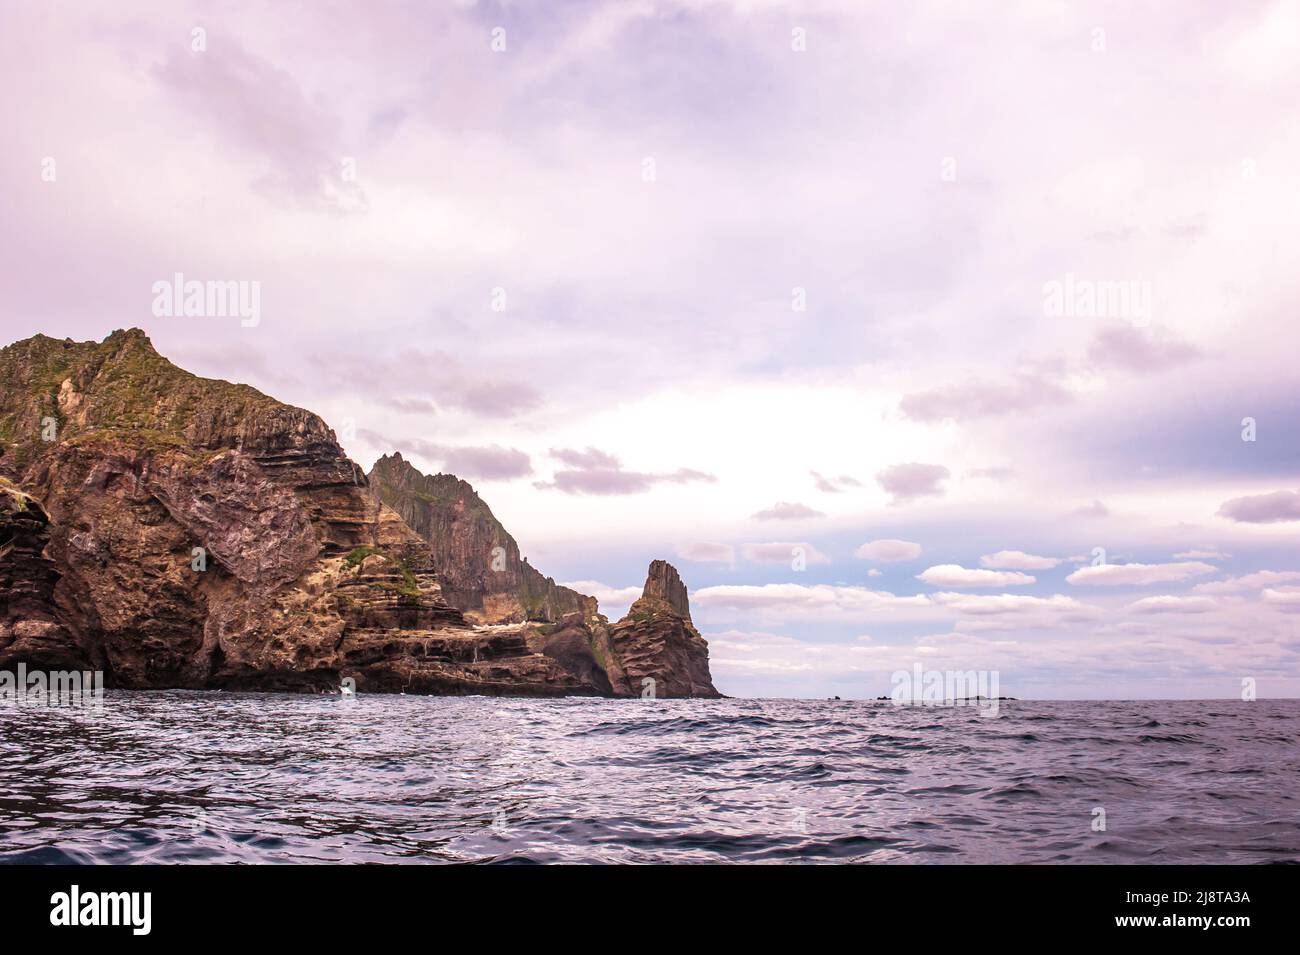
(664, 583)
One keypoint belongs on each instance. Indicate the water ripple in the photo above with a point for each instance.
(224, 777)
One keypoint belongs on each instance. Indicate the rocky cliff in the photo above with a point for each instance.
(478, 562)
(176, 531)
(656, 641)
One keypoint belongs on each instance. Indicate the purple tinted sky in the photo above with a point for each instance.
(916, 177)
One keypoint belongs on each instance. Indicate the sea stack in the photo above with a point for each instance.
(657, 641)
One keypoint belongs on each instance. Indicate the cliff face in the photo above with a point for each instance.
(28, 618)
(478, 562)
(176, 531)
(657, 641)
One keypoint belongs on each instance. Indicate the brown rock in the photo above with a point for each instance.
(176, 531)
(663, 583)
(29, 626)
(657, 641)
(478, 561)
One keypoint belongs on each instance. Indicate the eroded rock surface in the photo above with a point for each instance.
(176, 531)
(477, 560)
(657, 641)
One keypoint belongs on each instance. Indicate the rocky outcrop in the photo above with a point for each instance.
(657, 642)
(29, 622)
(176, 531)
(664, 584)
(479, 563)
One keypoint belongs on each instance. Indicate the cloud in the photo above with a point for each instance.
(604, 481)
(411, 405)
(888, 550)
(1206, 554)
(588, 458)
(707, 552)
(1263, 508)
(489, 463)
(992, 474)
(741, 654)
(493, 462)
(1288, 599)
(995, 604)
(954, 575)
(906, 482)
(495, 399)
(1171, 604)
(652, 341)
(785, 511)
(1248, 582)
(259, 108)
(1135, 349)
(596, 472)
(1018, 560)
(979, 399)
(801, 600)
(778, 553)
(417, 380)
(1095, 509)
(834, 485)
(826, 602)
(1119, 575)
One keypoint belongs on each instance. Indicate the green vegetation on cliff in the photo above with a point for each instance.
(122, 390)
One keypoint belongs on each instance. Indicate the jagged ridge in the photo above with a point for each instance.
(477, 560)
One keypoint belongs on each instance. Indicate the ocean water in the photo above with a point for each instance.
(266, 778)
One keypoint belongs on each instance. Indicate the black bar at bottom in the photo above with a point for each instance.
(943, 905)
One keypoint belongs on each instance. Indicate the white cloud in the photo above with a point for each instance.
(1009, 603)
(825, 602)
(1167, 603)
(1018, 560)
(1248, 582)
(1288, 599)
(954, 575)
(797, 601)
(888, 550)
(1119, 575)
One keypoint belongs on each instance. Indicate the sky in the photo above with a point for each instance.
(939, 333)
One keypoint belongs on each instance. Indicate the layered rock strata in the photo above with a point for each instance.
(177, 531)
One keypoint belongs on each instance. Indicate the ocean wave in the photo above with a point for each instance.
(184, 777)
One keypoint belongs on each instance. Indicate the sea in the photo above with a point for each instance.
(214, 777)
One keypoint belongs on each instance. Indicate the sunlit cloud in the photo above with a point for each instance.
(954, 575)
(1120, 575)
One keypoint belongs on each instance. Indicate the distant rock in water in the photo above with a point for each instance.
(476, 559)
(177, 531)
